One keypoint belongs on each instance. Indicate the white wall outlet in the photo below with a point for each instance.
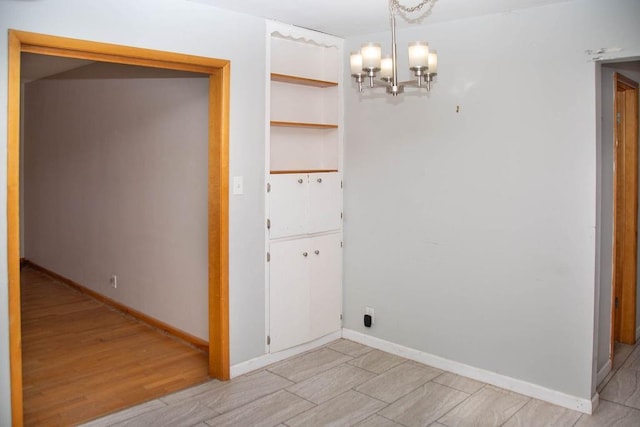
(114, 281)
(369, 311)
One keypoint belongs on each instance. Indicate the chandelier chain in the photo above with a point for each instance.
(396, 4)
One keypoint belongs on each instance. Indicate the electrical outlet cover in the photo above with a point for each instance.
(370, 311)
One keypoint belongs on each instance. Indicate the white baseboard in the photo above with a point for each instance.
(595, 401)
(519, 386)
(602, 373)
(268, 359)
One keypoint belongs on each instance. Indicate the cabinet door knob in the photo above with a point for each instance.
(319, 179)
(304, 254)
(300, 181)
(317, 252)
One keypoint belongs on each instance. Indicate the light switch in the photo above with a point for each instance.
(237, 185)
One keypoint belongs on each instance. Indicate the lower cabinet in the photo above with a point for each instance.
(305, 289)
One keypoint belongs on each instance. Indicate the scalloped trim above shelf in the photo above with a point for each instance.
(283, 78)
(303, 125)
(289, 32)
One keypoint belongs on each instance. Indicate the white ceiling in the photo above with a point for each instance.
(343, 18)
(346, 18)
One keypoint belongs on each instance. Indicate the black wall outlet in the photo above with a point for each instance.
(367, 320)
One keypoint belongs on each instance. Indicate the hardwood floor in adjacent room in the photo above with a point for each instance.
(82, 359)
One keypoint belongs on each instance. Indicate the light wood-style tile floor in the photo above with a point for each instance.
(345, 383)
(82, 359)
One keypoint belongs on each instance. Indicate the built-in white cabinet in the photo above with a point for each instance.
(305, 204)
(304, 186)
(306, 287)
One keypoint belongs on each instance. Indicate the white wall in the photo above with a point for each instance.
(191, 28)
(631, 70)
(115, 183)
(472, 234)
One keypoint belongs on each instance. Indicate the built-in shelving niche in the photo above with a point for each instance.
(304, 107)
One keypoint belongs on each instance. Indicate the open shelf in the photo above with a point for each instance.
(303, 125)
(278, 172)
(283, 78)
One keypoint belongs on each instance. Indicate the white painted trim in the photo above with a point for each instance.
(602, 373)
(637, 334)
(595, 402)
(267, 359)
(267, 199)
(299, 33)
(519, 386)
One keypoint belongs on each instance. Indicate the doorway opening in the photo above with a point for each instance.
(625, 212)
(218, 72)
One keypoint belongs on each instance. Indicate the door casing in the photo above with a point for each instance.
(218, 176)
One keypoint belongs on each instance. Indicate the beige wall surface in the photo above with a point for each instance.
(116, 184)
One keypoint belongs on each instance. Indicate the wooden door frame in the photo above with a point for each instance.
(628, 174)
(218, 175)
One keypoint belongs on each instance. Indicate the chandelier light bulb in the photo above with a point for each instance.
(433, 62)
(371, 56)
(356, 63)
(386, 67)
(418, 55)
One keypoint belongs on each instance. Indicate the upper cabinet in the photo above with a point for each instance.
(305, 101)
(304, 204)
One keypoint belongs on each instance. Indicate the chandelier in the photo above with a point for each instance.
(368, 62)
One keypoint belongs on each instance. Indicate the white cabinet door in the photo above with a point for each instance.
(326, 284)
(305, 290)
(289, 205)
(289, 294)
(325, 202)
(305, 204)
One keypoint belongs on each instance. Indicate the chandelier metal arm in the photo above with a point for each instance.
(417, 83)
